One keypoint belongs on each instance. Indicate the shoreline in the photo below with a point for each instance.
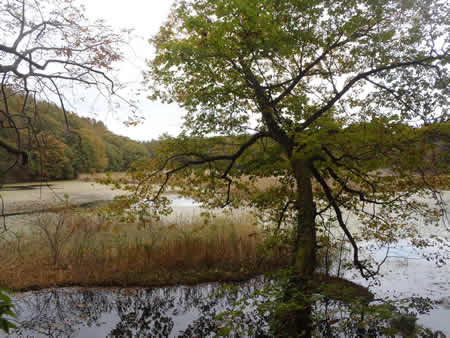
(188, 280)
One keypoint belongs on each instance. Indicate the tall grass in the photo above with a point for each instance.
(93, 177)
(70, 248)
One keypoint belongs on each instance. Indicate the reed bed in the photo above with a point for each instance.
(94, 177)
(70, 248)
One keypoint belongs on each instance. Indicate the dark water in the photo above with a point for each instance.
(183, 311)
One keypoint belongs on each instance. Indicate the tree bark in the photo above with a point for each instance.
(297, 322)
(305, 241)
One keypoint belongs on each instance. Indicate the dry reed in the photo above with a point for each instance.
(90, 251)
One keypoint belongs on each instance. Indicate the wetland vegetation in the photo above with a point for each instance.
(319, 129)
(76, 247)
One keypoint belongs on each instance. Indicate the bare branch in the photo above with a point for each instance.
(50, 49)
(393, 93)
(10, 149)
(283, 212)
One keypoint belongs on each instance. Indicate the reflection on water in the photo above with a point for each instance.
(182, 311)
(160, 312)
(190, 311)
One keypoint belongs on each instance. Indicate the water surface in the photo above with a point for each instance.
(181, 311)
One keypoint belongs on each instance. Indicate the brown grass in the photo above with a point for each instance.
(93, 177)
(261, 184)
(189, 251)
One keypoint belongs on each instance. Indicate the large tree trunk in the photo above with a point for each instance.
(297, 322)
(305, 241)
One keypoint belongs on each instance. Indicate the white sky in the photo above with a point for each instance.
(145, 17)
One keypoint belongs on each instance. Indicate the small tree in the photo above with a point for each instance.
(47, 48)
(49, 161)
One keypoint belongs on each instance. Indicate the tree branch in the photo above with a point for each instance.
(361, 195)
(393, 93)
(203, 159)
(283, 212)
(366, 273)
(359, 77)
(303, 72)
(10, 149)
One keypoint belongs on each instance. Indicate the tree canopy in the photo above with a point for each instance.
(337, 86)
(337, 101)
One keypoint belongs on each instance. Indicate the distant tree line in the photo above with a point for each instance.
(61, 146)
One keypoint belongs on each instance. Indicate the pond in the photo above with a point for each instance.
(188, 310)
(407, 273)
(181, 311)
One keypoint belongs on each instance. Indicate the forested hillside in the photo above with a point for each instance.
(60, 146)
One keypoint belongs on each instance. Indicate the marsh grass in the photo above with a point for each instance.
(93, 177)
(70, 248)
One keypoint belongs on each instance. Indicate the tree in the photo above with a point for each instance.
(334, 91)
(47, 48)
(336, 86)
(50, 160)
(92, 152)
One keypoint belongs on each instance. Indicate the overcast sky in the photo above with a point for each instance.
(145, 17)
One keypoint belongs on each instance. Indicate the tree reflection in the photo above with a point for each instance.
(243, 309)
(181, 311)
(58, 312)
